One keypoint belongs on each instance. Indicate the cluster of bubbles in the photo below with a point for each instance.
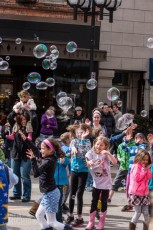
(63, 101)
(150, 43)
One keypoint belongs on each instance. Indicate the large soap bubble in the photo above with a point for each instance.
(46, 64)
(26, 85)
(60, 94)
(42, 85)
(124, 121)
(143, 113)
(50, 81)
(150, 43)
(4, 65)
(91, 84)
(71, 47)
(40, 51)
(65, 103)
(113, 94)
(34, 77)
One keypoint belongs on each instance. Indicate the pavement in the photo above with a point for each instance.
(20, 219)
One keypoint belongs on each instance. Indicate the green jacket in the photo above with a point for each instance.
(123, 157)
(2, 155)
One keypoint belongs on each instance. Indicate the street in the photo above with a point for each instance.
(20, 219)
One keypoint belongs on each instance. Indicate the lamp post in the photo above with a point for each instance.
(93, 8)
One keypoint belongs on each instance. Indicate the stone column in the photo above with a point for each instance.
(104, 83)
(146, 92)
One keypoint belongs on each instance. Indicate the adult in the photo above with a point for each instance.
(108, 120)
(78, 116)
(48, 123)
(116, 113)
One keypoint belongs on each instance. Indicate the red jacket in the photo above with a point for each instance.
(139, 178)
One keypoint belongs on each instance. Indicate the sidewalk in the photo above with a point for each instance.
(20, 219)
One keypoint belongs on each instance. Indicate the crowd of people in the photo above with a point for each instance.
(80, 159)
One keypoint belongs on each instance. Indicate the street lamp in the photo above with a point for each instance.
(93, 8)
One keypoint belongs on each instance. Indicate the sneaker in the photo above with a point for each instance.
(15, 198)
(78, 222)
(25, 199)
(127, 208)
(69, 219)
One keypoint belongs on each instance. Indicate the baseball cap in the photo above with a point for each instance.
(78, 108)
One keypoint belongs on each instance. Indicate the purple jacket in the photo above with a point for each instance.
(48, 125)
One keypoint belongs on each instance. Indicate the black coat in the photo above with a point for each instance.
(109, 121)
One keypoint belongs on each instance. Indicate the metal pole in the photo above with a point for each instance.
(91, 68)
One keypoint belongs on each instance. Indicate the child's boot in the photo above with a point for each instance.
(101, 223)
(145, 226)
(132, 226)
(91, 221)
(11, 136)
(33, 209)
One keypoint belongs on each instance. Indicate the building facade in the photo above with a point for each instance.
(127, 65)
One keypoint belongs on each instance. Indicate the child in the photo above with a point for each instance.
(45, 169)
(48, 123)
(98, 160)
(66, 140)
(79, 172)
(26, 103)
(138, 188)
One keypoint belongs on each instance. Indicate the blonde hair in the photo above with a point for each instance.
(65, 136)
(24, 93)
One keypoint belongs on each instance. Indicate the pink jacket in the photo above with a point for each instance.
(139, 180)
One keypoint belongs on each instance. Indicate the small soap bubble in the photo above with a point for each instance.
(53, 48)
(53, 65)
(50, 81)
(150, 43)
(26, 85)
(71, 47)
(18, 41)
(42, 85)
(91, 84)
(7, 58)
(143, 113)
(34, 77)
(46, 64)
(119, 103)
(4, 65)
(65, 103)
(40, 51)
(60, 94)
(113, 94)
(1, 40)
(101, 104)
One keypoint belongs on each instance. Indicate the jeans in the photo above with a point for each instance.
(22, 169)
(89, 183)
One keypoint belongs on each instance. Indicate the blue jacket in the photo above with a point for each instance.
(60, 175)
(3, 195)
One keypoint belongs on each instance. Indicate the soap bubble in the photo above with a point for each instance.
(4, 65)
(53, 65)
(119, 103)
(40, 51)
(56, 53)
(50, 81)
(7, 58)
(52, 48)
(91, 84)
(71, 47)
(34, 77)
(124, 121)
(18, 41)
(46, 64)
(100, 104)
(150, 43)
(1, 59)
(42, 85)
(60, 94)
(113, 94)
(65, 103)
(1, 40)
(26, 85)
(52, 57)
(143, 113)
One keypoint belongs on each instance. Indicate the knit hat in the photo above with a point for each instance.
(78, 108)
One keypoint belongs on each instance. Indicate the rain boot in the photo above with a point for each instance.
(34, 208)
(91, 221)
(132, 226)
(101, 223)
(145, 226)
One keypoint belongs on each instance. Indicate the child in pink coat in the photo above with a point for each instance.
(138, 188)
